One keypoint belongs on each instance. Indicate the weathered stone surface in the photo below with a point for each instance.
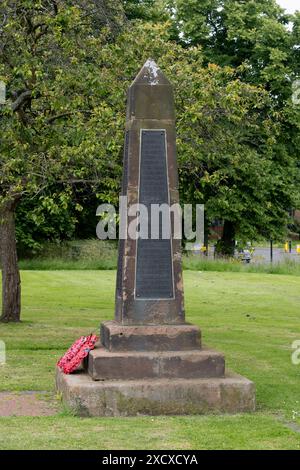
(117, 337)
(232, 394)
(107, 365)
(28, 403)
(149, 288)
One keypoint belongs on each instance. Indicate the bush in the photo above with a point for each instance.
(79, 254)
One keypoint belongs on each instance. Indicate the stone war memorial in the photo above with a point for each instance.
(149, 360)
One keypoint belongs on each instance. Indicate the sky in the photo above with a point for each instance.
(289, 5)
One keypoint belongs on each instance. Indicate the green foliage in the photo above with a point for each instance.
(233, 31)
(49, 216)
(63, 143)
(144, 9)
(228, 133)
(59, 133)
(228, 156)
(87, 254)
(58, 127)
(254, 39)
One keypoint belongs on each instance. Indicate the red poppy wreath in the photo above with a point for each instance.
(76, 353)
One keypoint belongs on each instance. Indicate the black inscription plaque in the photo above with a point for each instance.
(154, 275)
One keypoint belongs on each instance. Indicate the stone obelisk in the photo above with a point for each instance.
(149, 291)
(149, 360)
(149, 281)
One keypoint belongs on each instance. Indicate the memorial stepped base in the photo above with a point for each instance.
(123, 377)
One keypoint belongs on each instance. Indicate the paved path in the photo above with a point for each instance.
(279, 255)
(28, 404)
(262, 255)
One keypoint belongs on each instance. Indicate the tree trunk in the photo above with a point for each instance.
(11, 282)
(226, 246)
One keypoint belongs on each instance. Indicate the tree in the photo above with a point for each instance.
(36, 220)
(62, 126)
(146, 10)
(229, 151)
(57, 125)
(256, 40)
(230, 159)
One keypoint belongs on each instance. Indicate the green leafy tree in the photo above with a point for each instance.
(229, 150)
(35, 219)
(261, 43)
(230, 158)
(58, 128)
(62, 126)
(146, 10)
(254, 37)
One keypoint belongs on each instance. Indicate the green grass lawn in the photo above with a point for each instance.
(253, 318)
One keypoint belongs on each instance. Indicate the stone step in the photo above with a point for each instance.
(117, 337)
(229, 394)
(129, 365)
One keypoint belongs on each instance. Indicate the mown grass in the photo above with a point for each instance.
(56, 264)
(252, 317)
(260, 431)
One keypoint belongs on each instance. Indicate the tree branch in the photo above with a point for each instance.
(22, 99)
(66, 114)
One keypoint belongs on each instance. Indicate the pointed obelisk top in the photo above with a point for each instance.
(150, 95)
(150, 74)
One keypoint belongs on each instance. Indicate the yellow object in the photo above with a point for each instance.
(286, 247)
(298, 249)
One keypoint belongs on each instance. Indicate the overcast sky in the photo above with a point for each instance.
(290, 5)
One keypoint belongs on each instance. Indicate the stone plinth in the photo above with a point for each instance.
(201, 363)
(86, 397)
(118, 337)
